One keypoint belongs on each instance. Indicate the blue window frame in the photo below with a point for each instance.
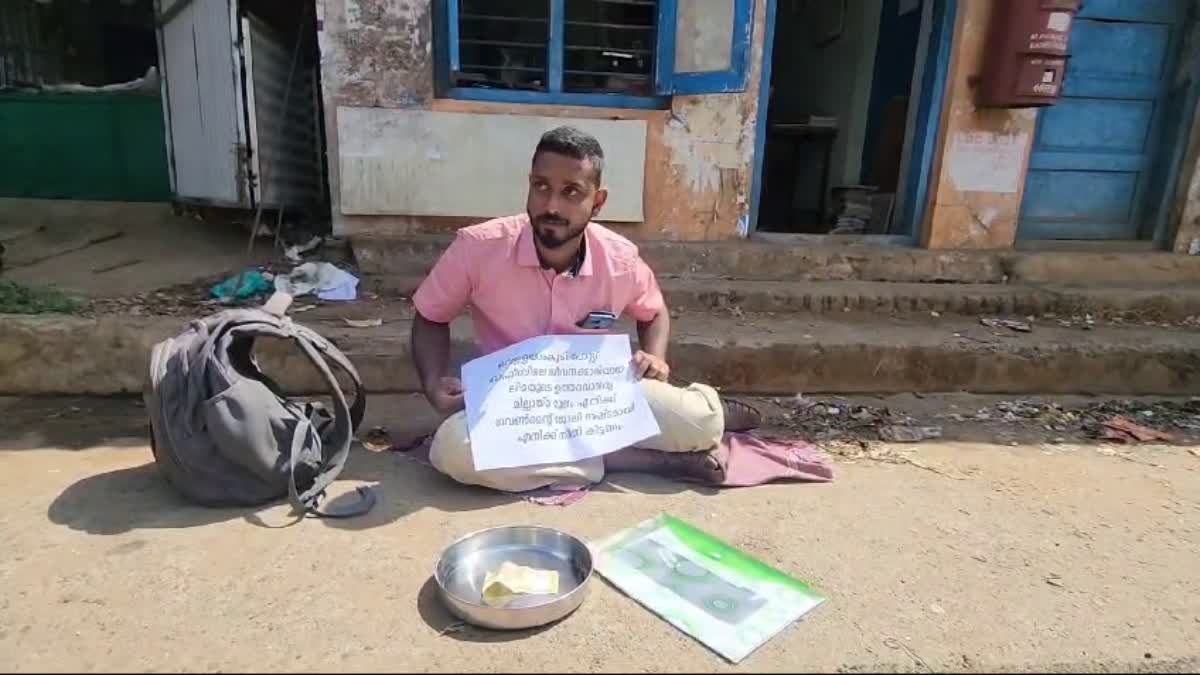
(701, 72)
(610, 53)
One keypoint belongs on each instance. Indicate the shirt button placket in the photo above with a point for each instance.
(550, 314)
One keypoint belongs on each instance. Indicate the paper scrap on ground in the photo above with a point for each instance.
(729, 601)
(512, 580)
(363, 323)
(554, 399)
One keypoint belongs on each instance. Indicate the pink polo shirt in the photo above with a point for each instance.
(494, 268)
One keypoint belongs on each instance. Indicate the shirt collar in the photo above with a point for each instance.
(527, 252)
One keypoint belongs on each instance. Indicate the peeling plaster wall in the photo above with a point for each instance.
(377, 53)
(699, 154)
(1185, 210)
(980, 178)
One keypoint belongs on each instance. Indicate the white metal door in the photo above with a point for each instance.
(203, 101)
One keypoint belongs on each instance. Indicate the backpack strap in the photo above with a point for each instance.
(305, 438)
(346, 419)
(309, 501)
(331, 353)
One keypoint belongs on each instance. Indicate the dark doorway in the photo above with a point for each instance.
(839, 115)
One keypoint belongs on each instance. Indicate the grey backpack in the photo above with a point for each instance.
(223, 433)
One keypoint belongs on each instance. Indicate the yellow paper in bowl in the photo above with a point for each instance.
(511, 581)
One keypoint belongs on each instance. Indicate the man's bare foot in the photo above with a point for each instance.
(701, 467)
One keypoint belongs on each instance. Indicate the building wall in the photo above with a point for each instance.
(979, 175)
(699, 154)
(1184, 217)
(984, 155)
(1186, 207)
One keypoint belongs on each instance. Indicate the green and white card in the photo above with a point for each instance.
(729, 601)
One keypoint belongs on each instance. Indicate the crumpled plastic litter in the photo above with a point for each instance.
(327, 280)
(253, 283)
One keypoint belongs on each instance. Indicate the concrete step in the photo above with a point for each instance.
(760, 354)
(774, 261)
(1160, 304)
(796, 297)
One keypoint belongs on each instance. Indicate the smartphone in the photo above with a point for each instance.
(597, 321)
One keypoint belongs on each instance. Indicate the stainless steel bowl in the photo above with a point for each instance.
(464, 564)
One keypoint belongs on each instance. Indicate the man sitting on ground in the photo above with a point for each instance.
(542, 273)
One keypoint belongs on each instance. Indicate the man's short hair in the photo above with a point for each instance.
(571, 142)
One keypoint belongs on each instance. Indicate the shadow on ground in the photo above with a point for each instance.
(651, 485)
(72, 423)
(137, 498)
(405, 485)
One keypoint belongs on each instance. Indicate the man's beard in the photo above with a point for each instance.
(550, 239)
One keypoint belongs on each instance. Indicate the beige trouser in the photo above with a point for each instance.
(690, 419)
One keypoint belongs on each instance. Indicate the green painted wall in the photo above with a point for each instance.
(83, 146)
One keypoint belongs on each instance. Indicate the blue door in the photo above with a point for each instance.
(1094, 151)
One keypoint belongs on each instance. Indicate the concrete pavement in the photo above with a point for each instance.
(972, 557)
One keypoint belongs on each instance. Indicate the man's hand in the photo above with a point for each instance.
(447, 396)
(649, 365)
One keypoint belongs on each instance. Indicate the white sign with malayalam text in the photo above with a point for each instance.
(554, 399)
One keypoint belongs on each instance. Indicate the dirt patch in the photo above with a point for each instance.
(187, 299)
(962, 417)
(194, 298)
